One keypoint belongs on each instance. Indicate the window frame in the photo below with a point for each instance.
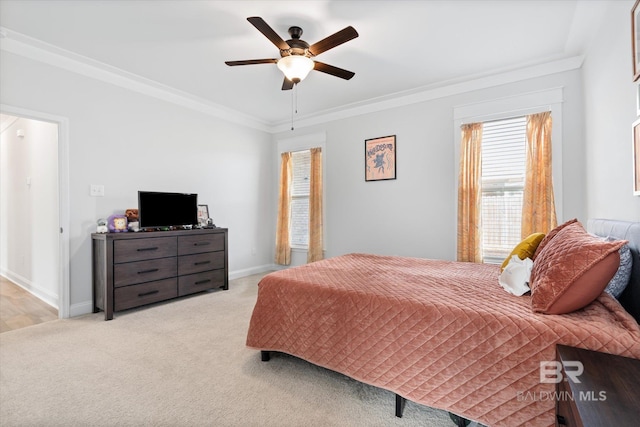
(512, 106)
(298, 197)
(302, 143)
(500, 188)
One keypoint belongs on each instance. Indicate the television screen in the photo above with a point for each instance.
(158, 210)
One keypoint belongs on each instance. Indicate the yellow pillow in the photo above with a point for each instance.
(525, 249)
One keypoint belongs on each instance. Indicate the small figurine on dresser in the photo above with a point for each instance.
(132, 219)
(102, 226)
(117, 224)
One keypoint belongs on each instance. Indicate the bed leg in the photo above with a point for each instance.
(400, 401)
(458, 420)
(265, 356)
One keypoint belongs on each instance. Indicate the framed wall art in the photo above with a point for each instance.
(635, 39)
(636, 157)
(380, 158)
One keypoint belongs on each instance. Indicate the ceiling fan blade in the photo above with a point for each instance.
(251, 62)
(334, 71)
(333, 40)
(287, 84)
(268, 32)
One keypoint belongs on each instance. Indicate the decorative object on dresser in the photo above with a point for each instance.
(203, 215)
(134, 269)
(117, 223)
(607, 392)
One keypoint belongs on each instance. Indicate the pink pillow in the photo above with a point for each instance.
(572, 270)
(550, 235)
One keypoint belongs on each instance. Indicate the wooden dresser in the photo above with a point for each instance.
(607, 395)
(134, 269)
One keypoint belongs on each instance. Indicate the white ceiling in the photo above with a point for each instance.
(403, 47)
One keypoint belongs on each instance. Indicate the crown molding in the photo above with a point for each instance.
(428, 93)
(22, 45)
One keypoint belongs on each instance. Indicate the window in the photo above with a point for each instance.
(301, 165)
(503, 173)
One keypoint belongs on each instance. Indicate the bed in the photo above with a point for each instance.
(440, 333)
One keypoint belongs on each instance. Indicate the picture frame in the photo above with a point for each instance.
(380, 158)
(635, 39)
(203, 214)
(636, 157)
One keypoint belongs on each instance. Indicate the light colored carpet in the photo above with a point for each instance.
(180, 363)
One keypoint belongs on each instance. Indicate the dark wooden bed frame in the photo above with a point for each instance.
(630, 298)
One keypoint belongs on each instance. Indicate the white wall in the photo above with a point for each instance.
(128, 141)
(29, 217)
(610, 109)
(415, 215)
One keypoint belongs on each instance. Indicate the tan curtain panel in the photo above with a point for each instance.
(469, 193)
(283, 247)
(538, 205)
(315, 207)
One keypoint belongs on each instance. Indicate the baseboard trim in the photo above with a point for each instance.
(249, 271)
(32, 288)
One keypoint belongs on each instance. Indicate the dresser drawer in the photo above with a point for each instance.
(146, 293)
(190, 264)
(141, 249)
(200, 282)
(131, 273)
(200, 243)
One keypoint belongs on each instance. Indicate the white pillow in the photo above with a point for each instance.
(515, 277)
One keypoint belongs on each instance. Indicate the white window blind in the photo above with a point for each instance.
(503, 172)
(301, 162)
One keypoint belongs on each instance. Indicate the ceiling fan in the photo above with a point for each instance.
(295, 54)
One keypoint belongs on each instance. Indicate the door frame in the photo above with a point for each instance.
(63, 197)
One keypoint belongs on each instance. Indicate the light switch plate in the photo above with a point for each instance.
(96, 190)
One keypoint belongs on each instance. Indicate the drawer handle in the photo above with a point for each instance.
(152, 270)
(561, 420)
(201, 262)
(201, 243)
(202, 282)
(147, 249)
(144, 294)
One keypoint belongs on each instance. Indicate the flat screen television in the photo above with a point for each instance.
(160, 210)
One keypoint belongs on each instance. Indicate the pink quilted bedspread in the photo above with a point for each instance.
(440, 333)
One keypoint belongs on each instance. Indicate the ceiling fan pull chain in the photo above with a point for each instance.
(292, 108)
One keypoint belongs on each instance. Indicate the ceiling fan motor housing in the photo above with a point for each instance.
(297, 46)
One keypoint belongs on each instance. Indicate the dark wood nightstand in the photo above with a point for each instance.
(608, 393)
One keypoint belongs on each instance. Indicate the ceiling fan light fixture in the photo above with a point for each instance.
(295, 67)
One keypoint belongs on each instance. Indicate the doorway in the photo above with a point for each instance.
(34, 205)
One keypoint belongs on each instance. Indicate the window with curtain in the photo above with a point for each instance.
(301, 166)
(503, 177)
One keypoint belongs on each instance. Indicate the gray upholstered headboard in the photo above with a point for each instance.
(625, 230)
